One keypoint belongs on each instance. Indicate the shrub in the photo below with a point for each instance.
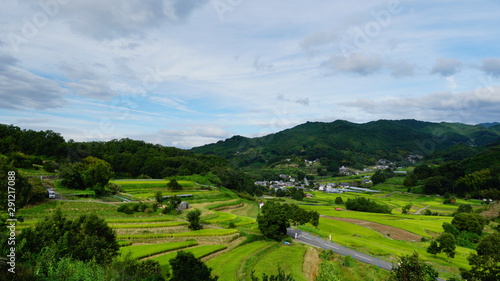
(349, 261)
(366, 205)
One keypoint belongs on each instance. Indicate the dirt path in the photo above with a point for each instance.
(231, 246)
(421, 209)
(387, 231)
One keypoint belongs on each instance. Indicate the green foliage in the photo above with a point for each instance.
(485, 265)
(469, 222)
(86, 238)
(91, 173)
(27, 191)
(281, 276)
(380, 176)
(363, 204)
(276, 218)
(50, 166)
(130, 208)
(327, 254)
(174, 185)
(339, 200)
(47, 143)
(186, 267)
(406, 208)
(297, 194)
(411, 268)
(194, 219)
(173, 204)
(410, 180)
(433, 248)
(437, 185)
(447, 244)
(342, 143)
(348, 261)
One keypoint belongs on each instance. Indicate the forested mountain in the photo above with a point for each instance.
(476, 176)
(345, 143)
(127, 157)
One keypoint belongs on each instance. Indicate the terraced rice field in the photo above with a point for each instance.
(235, 260)
(199, 252)
(143, 251)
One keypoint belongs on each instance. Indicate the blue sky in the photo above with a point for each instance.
(189, 72)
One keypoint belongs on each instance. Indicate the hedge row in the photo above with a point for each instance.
(149, 225)
(203, 232)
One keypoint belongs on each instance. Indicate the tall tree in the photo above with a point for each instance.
(174, 185)
(411, 268)
(447, 244)
(274, 220)
(485, 265)
(194, 219)
(186, 267)
(433, 248)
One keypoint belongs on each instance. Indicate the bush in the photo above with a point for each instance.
(366, 205)
(348, 261)
(130, 208)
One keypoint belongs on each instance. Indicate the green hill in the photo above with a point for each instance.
(345, 143)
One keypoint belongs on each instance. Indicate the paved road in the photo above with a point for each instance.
(324, 244)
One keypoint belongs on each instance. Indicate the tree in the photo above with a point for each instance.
(194, 219)
(26, 190)
(469, 222)
(159, 197)
(274, 220)
(186, 267)
(433, 248)
(464, 208)
(485, 265)
(422, 172)
(92, 172)
(297, 194)
(447, 244)
(379, 177)
(339, 200)
(406, 208)
(173, 203)
(327, 272)
(86, 238)
(410, 180)
(437, 185)
(411, 268)
(174, 185)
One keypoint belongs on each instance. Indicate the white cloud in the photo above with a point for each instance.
(491, 66)
(356, 63)
(446, 67)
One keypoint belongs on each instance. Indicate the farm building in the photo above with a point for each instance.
(183, 206)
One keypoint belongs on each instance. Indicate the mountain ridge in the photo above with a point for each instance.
(344, 142)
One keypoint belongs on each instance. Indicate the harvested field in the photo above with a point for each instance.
(388, 231)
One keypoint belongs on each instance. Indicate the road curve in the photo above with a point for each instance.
(324, 244)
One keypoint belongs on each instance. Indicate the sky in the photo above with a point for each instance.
(185, 73)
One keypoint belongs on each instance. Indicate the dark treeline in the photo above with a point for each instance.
(477, 176)
(127, 158)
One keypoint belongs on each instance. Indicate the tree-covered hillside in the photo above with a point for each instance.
(345, 143)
